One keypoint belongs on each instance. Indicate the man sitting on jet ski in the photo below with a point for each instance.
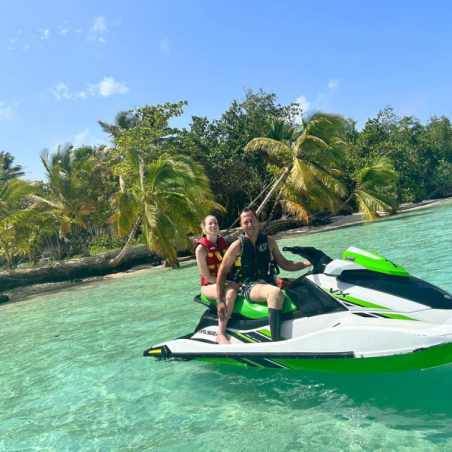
(256, 258)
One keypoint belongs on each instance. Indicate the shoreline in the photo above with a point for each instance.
(24, 292)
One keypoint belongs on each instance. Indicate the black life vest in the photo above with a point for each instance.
(256, 261)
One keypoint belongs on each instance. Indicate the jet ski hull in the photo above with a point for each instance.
(340, 362)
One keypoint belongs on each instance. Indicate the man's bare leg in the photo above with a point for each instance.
(275, 300)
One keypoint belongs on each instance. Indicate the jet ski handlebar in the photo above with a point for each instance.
(317, 257)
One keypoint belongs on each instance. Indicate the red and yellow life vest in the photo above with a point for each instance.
(215, 255)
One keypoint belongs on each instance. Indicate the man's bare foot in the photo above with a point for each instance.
(222, 339)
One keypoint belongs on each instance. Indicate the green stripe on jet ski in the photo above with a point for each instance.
(266, 333)
(356, 301)
(242, 337)
(397, 317)
(269, 334)
(423, 358)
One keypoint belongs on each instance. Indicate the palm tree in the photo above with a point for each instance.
(13, 210)
(124, 120)
(308, 160)
(364, 185)
(7, 170)
(73, 188)
(170, 199)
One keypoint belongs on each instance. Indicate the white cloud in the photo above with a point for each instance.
(27, 47)
(13, 41)
(304, 103)
(333, 84)
(63, 31)
(9, 48)
(7, 111)
(109, 86)
(102, 40)
(45, 34)
(78, 31)
(165, 46)
(105, 88)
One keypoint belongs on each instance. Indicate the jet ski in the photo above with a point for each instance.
(363, 313)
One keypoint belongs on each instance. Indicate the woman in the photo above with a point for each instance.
(209, 251)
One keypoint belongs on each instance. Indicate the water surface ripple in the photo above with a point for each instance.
(72, 377)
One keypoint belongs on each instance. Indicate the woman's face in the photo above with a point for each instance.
(211, 225)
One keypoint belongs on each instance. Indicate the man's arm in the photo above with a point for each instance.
(229, 258)
(282, 262)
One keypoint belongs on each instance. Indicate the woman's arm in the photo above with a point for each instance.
(201, 255)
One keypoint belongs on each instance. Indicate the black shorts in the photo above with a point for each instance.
(245, 290)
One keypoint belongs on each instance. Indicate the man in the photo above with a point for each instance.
(259, 254)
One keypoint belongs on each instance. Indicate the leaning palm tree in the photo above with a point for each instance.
(364, 189)
(308, 163)
(171, 197)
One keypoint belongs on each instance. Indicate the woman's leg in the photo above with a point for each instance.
(210, 292)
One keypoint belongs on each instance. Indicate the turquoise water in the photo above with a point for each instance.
(73, 378)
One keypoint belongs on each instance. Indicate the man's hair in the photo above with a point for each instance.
(247, 210)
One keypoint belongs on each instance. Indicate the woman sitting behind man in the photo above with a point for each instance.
(209, 256)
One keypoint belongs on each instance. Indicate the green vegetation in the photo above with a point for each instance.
(152, 183)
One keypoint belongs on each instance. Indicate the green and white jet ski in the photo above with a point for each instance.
(360, 314)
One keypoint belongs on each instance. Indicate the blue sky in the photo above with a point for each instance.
(65, 64)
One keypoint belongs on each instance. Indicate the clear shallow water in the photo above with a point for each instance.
(72, 375)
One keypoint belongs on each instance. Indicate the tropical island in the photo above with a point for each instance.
(140, 197)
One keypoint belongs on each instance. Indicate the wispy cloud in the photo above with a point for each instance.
(9, 48)
(84, 138)
(45, 34)
(108, 86)
(165, 46)
(321, 102)
(63, 31)
(7, 111)
(27, 47)
(99, 28)
(333, 84)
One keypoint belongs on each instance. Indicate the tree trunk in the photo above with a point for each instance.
(114, 262)
(345, 203)
(249, 206)
(271, 213)
(84, 247)
(272, 191)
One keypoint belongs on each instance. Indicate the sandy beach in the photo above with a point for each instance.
(21, 293)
